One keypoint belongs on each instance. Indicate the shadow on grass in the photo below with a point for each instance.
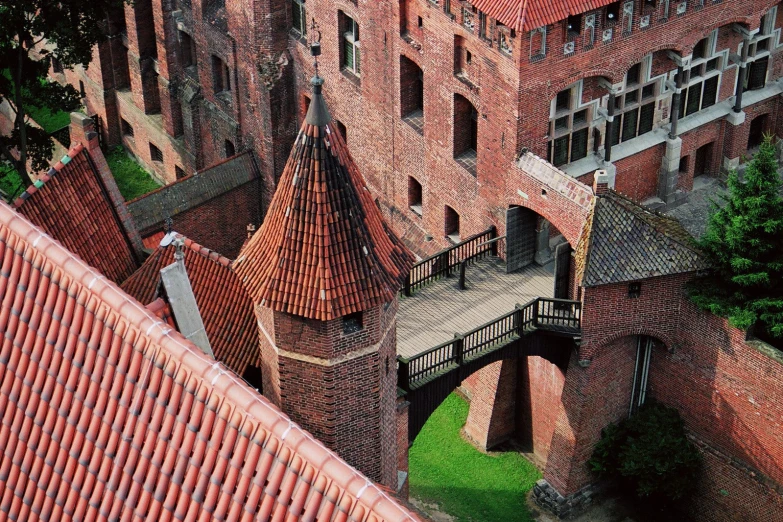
(465, 483)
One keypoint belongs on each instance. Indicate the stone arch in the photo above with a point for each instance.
(582, 75)
(593, 346)
(561, 221)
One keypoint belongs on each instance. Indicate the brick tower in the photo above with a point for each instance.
(324, 272)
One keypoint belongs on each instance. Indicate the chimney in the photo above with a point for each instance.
(181, 299)
(600, 182)
(82, 131)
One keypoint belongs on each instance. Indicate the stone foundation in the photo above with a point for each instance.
(564, 507)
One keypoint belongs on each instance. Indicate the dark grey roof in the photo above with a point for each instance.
(629, 243)
(189, 192)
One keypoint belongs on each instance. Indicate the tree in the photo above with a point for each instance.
(744, 244)
(70, 30)
(649, 454)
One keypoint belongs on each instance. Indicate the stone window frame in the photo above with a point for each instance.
(768, 37)
(299, 12)
(590, 26)
(541, 51)
(665, 11)
(636, 95)
(469, 16)
(565, 122)
(504, 35)
(701, 70)
(350, 40)
(627, 9)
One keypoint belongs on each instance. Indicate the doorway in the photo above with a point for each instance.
(703, 160)
(520, 237)
(757, 128)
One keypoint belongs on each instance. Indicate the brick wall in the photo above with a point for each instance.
(339, 386)
(220, 223)
(727, 390)
(492, 414)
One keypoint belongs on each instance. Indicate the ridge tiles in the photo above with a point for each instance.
(323, 250)
(107, 413)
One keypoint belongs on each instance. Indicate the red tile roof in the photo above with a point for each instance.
(71, 203)
(524, 15)
(323, 250)
(224, 304)
(109, 414)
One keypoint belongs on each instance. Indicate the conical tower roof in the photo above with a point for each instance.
(323, 250)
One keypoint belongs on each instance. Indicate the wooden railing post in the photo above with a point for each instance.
(518, 319)
(403, 370)
(408, 283)
(459, 346)
(463, 265)
(493, 249)
(535, 312)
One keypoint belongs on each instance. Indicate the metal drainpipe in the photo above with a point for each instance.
(743, 69)
(609, 128)
(675, 112)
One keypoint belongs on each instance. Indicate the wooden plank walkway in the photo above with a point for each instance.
(435, 313)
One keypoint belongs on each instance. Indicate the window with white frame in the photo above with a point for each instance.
(702, 78)
(635, 105)
(299, 17)
(758, 53)
(351, 49)
(569, 127)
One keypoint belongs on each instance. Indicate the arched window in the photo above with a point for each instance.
(230, 149)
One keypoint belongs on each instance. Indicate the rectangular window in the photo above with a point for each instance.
(155, 153)
(351, 48)
(299, 17)
(757, 74)
(221, 78)
(57, 66)
(127, 129)
(187, 49)
(579, 144)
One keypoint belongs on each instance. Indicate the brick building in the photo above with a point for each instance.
(461, 115)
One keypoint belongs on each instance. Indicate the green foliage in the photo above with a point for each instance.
(465, 483)
(10, 183)
(744, 244)
(649, 453)
(69, 30)
(132, 180)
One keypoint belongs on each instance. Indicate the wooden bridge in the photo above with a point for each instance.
(544, 326)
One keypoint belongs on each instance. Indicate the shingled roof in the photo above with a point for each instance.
(524, 15)
(71, 203)
(623, 241)
(107, 413)
(323, 250)
(224, 304)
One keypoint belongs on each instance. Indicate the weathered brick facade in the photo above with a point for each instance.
(442, 118)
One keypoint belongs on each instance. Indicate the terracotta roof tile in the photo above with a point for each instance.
(224, 304)
(70, 203)
(108, 413)
(323, 250)
(623, 241)
(524, 15)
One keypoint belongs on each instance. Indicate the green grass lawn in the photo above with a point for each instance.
(132, 180)
(49, 121)
(465, 483)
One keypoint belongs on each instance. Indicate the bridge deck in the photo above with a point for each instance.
(435, 313)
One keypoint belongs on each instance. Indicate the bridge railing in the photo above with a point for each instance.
(558, 315)
(445, 262)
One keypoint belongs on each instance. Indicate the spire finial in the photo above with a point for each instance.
(315, 45)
